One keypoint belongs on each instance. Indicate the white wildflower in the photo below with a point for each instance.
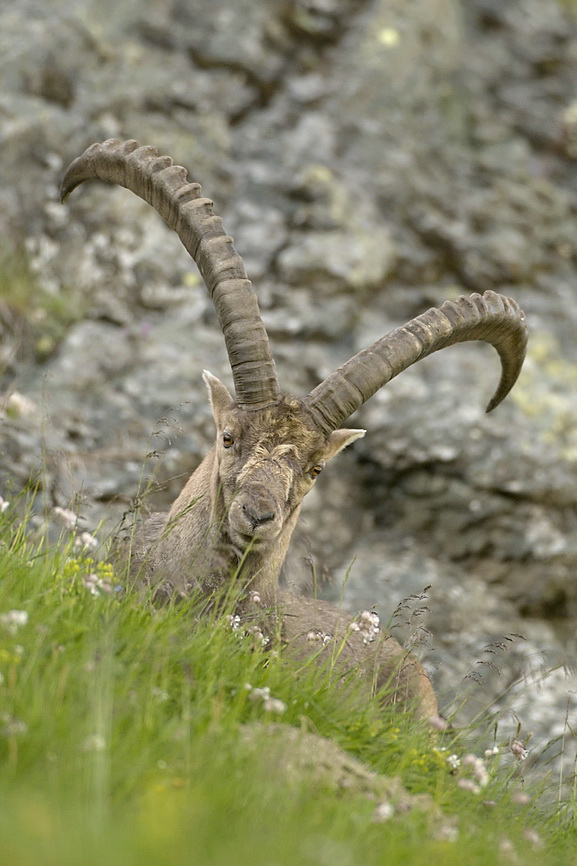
(469, 785)
(370, 617)
(258, 694)
(367, 624)
(453, 761)
(482, 777)
(13, 620)
(506, 846)
(533, 837)
(86, 541)
(519, 750)
(97, 585)
(67, 517)
(470, 760)
(478, 769)
(274, 705)
(383, 812)
(489, 753)
(319, 636)
(257, 632)
(254, 596)
(270, 704)
(3, 505)
(234, 622)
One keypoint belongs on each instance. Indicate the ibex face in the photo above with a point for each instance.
(237, 512)
(266, 462)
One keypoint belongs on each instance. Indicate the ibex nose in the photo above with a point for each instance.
(258, 519)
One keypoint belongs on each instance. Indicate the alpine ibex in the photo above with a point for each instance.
(239, 508)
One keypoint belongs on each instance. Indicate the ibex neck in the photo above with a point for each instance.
(196, 549)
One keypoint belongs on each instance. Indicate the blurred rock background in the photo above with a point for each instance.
(371, 158)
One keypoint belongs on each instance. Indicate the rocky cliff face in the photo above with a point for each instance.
(371, 158)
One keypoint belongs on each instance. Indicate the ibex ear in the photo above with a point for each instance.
(219, 395)
(339, 439)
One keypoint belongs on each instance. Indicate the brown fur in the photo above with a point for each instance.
(385, 667)
(207, 538)
(206, 535)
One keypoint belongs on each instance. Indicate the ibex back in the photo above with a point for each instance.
(236, 514)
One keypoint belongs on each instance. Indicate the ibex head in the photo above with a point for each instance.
(267, 461)
(270, 447)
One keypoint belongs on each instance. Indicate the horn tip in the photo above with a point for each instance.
(493, 403)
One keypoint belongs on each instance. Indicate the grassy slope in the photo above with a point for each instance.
(121, 742)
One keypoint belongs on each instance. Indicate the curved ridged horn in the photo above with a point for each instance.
(491, 317)
(166, 187)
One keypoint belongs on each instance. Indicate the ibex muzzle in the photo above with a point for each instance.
(238, 510)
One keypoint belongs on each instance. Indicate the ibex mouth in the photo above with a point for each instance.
(253, 523)
(245, 542)
(255, 540)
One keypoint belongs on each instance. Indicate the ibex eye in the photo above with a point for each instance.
(227, 440)
(315, 470)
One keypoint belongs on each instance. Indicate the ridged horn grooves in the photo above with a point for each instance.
(166, 187)
(491, 317)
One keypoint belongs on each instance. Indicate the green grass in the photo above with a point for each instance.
(128, 736)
